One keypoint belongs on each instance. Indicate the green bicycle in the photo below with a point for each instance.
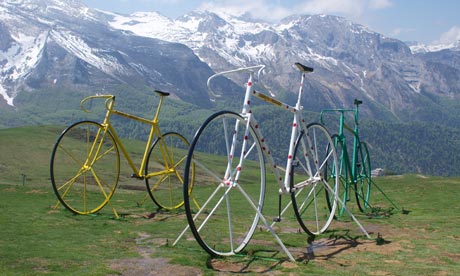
(355, 171)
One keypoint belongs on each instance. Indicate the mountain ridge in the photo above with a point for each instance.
(346, 55)
(51, 57)
(82, 52)
(106, 49)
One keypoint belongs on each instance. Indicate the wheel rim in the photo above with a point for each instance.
(218, 211)
(313, 153)
(84, 174)
(363, 184)
(165, 169)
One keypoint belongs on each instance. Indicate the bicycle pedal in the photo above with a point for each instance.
(137, 176)
(276, 219)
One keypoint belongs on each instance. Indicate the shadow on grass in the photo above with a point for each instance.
(379, 212)
(318, 249)
(327, 248)
(246, 263)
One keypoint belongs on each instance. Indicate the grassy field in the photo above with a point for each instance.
(37, 238)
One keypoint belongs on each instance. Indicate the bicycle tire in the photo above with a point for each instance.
(219, 208)
(85, 167)
(363, 180)
(343, 176)
(313, 151)
(164, 170)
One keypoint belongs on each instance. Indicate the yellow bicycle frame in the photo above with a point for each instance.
(154, 132)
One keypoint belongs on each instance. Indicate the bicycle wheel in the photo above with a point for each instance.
(164, 170)
(314, 150)
(85, 166)
(363, 177)
(229, 184)
(342, 174)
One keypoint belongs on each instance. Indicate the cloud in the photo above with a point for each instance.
(257, 8)
(152, 2)
(400, 31)
(276, 10)
(332, 7)
(380, 4)
(449, 37)
(347, 8)
(396, 32)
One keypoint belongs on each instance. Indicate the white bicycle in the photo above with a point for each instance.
(229, 154)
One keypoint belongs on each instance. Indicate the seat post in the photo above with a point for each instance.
(162, 95)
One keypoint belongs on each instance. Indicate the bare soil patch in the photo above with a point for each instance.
(322, 251)
(147, 265)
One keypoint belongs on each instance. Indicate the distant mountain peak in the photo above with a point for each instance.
(349, 55)
(83, 48)
(49, 43)
(417, 48)
(41, 7)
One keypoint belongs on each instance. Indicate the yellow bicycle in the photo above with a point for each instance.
(85, 162)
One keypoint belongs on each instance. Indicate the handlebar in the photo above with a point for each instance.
(109, 100)
(343, 110)
(250, 69)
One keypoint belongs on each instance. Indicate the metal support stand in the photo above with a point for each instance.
(270, 227)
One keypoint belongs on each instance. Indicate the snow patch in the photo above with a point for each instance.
(423, 48)
(106, 63)
(20, 59)
(151, 24)
(8, 99)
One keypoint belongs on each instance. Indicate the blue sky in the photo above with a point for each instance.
(426, 21)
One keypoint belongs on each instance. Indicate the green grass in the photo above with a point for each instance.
(37, 239)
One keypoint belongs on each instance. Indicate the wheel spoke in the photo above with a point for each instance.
(218, 212)
(314, 212)
(164, 169)
(85, 165)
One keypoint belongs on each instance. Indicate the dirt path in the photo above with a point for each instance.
(321, 251)
(147, 265)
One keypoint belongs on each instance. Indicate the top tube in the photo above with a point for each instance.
(342, 124)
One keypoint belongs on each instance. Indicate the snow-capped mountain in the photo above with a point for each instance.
(50, 43)
(418, 48)
(54, 43)
(350, 60)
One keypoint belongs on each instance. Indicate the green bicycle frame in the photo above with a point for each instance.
(350, 172)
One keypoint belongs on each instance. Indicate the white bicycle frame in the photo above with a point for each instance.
(283, 182)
